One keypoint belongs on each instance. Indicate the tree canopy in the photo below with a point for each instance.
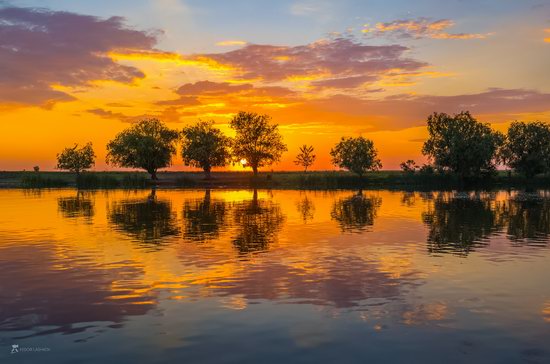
(357, 155)
(409, 166)
(305, 158)
(461, 144)
(257, 140)
(527, 148)
(205, 146)
(76, 159)
(148, 144)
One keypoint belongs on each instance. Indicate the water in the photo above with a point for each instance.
(274, 276)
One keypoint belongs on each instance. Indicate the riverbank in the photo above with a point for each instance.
(277, 180)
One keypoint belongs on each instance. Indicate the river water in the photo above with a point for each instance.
(243, 276)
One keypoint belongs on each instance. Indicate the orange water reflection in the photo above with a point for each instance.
(76, 260)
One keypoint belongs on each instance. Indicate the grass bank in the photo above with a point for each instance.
(88, 180)
(282, 180)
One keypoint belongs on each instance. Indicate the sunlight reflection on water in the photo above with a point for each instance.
(171, 274)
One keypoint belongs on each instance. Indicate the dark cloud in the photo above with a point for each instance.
(170, 114)
(108, 114)
(344, 82)
(192, 94)
(41, 48)
(118, 104)
(334, 58)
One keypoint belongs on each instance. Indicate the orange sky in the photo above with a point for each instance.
(69, 84)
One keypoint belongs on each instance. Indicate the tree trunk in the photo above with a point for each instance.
(207, 174)
(255, 169)
(154, 175)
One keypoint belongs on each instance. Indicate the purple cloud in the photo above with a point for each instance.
(41, 48)
(334, 58)
(420, 28)
(191, 93)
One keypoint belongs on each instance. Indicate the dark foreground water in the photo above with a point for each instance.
(274, 277)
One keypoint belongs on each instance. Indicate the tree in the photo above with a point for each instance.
(409, 166)
(527, 148)
(76, 159)
(204, 146)
(305, 158)
(257, 142)
(148, 145)
(357, 155)
(461, 144)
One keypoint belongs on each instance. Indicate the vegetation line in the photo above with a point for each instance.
(461, 151)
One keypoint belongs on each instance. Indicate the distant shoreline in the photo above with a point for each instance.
(315, 180)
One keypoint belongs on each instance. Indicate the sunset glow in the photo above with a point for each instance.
(77, 73)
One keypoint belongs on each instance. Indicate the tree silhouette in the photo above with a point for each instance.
(257, 142)
(257, 222)
(204, 146)
(147, 220)
(409, 166)
(203, 218)
(148, 145)
(356, 213)
(305, 158)
(76, 159)
(357, 155)
(527, 148)
(461, 144)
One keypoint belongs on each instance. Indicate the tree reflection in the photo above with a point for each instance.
(356, 213)
(458, 225)
(528, 220)
(204, 218)
(79, 206)
(257, 223)
(408, 198)
(306, 208)
(146, 220)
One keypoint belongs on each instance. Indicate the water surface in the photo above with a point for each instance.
(274, 276)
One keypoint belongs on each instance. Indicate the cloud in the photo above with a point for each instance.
(403, 111)
(41, 49)
(228, 96)
(420, 28)
(108, 114)
(229, 43)
(344, 82)
(170, 114)
(339, 58)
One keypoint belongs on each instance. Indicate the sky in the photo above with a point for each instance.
(76, 71)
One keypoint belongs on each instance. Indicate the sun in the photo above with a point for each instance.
(243, 162)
